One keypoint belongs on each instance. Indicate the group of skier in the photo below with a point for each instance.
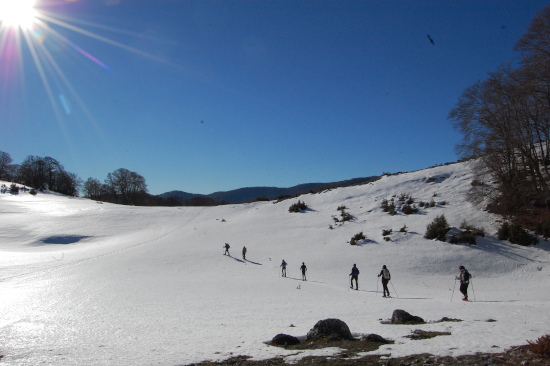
(227, 246)
(303, 269)
(384, 273)
(464, 276)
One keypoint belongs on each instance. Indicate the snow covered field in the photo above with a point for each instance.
(88, 283)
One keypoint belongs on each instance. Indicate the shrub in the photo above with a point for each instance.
(503, 232)
(437, 229)
(463, 237)
(261, 198)
(467, 227)
(282, 198)
(357, 237)
(387, 238)
(297, 207)
(403, 229)
(541, 346)
(409, 210)
(388, 206)
(543, 228)
(341, 208)
(467, 234)
(33, 191)
(14, 189)
(516, 235)
(432, 203)
(346, 216)
(386, 232)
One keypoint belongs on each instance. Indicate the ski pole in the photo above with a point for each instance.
(396, 294)
(453, 291)
(473, 290)
(376, 287)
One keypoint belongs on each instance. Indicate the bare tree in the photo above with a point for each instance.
(47, 173)
(506, 120)
(92, 189)
(126, 187)
(5, 163)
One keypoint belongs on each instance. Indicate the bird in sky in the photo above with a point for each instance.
(431, 40)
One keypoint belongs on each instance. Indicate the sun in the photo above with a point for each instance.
(17, 14)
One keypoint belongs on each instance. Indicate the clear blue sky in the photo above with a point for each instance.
(206, 96)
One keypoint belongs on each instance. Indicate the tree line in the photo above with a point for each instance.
(121, 186)
(505, 121)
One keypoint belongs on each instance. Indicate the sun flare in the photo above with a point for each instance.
(17, 14)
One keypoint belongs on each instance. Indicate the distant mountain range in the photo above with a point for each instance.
(250, 194)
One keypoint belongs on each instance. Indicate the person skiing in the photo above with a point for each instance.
(244, 253)
(464, 277)
(386, 277)
(354, 276)
(304, 270)
(226, 246)
(283, 268)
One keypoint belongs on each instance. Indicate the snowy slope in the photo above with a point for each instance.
(88, 283)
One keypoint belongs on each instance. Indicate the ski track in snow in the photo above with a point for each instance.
(88, 283)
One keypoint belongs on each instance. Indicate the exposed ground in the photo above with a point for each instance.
(515, 356)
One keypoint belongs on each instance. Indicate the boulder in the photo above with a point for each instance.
(402, 317)
(285, 340)
(375, 338)
(333, 328)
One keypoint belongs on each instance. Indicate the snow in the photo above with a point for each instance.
(84, 282)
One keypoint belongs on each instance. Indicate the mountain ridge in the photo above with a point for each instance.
(247, 194)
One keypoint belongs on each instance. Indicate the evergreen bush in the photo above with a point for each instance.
(437, 229)
(346, 216)
(409, 209)
(516, 235)
(543, 228)
(298, 206)
(356, 238)
(14, 189)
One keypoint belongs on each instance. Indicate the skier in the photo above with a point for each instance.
(386, 277)
(244, 253)
(354, 276)
(283, 268)
(226, 246)
(304, 270)
(464, 278)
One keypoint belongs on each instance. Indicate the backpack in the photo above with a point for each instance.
(466, 276)
(386, 274)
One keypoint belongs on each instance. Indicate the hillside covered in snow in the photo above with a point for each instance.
(93, 283)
